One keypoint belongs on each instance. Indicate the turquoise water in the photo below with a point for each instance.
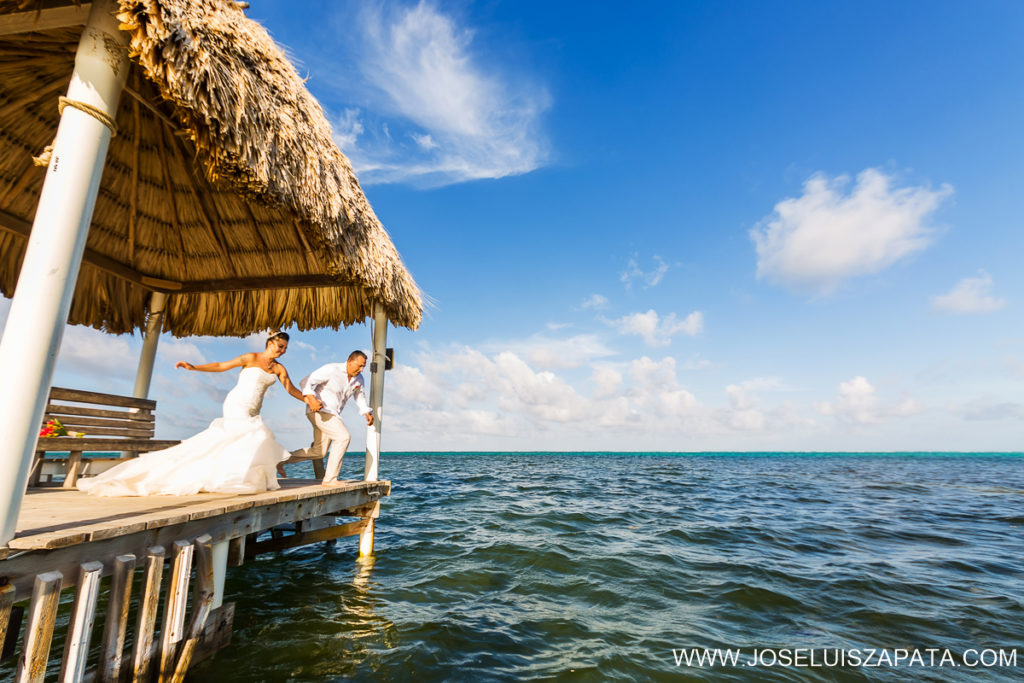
(590, 567)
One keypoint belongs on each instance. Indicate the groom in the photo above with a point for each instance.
(325, 391)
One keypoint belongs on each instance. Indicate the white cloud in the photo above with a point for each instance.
(649, 278)
(425, 141)
(819, 240)
(89, 352)
(467, 117)
(596, 302)
(548, 352)
(347, 129)
(744, 413)
(970, 295)
(606, 381)
(656, 331)
(170, 351)
(857, 402)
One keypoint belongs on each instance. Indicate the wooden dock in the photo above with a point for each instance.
(66, 538)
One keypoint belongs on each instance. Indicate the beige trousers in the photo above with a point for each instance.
(327, 429)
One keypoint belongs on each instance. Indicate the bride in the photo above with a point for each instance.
(236, 454)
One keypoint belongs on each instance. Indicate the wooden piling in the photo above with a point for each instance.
(39, 630)
(202, 602)
(174, 610)
(142, 658)
(6, 603)
(112, 653)
(83, 615)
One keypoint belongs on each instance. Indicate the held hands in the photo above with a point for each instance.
(183, 364)
(313, 402)
(369, 419)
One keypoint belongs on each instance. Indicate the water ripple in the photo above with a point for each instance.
(506, 567)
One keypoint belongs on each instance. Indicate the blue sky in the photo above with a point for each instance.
(668, 226)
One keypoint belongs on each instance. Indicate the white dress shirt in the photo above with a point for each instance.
(331, 384)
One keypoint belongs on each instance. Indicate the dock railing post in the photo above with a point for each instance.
(42, 298)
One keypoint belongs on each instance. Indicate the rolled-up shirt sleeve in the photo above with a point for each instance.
(359, 395)
(314, 380)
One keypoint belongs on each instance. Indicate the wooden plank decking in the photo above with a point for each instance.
(58, 529)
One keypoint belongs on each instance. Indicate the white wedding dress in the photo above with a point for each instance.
(236, 454)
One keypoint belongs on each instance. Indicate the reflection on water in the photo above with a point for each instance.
(518, 567)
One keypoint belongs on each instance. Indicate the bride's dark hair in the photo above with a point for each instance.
(277, 334)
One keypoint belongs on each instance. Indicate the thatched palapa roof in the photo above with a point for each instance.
(222, 188)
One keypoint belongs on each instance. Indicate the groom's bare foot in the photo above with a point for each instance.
(333, 482)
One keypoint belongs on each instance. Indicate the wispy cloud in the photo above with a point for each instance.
(815, 242)
(858, 403)
(432, 108)
(970, 295)
(990, 409)
(548, 352)
(657, 331)
(595, 302)
(650, 278)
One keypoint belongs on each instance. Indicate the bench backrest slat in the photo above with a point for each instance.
(112, 417)
(134, 416)
(61, 394)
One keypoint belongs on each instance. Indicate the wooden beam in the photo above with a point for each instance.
(138, 97)
(330, 533)
(308, 252)
(134, 199)
(214, 229)
(169, 187)
(256, 231)
(16, 225)
(64, 14)
(243, 284)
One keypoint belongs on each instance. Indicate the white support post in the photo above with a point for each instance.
(157, 301)
(380, 340)
(220, 571)
(42, 298)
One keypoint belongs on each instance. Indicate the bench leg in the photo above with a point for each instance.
(37, 468)
(74, 467)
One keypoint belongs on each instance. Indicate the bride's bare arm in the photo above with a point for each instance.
(245, 358)
(286, 382)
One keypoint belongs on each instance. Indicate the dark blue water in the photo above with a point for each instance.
(596, 567)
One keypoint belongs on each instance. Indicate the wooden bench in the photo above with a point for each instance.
(110, 423)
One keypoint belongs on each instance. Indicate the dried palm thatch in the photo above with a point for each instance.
(223, 187)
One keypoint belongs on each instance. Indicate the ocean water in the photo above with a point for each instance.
(606, 567)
